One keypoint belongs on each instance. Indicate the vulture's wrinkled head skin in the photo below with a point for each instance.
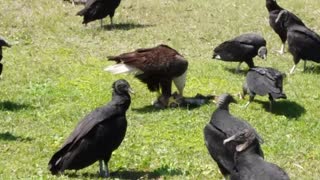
(225, 99)
(4, 43)
(262, 52)
(243, 139)
(121, 86)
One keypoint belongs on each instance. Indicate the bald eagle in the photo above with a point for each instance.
(157, 67)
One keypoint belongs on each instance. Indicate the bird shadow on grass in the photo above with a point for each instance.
(12, 106)
(241, 72)
(132, 174)
(155, 174)
(78, 175)
(147, 109)
(10, 137)
(289, 109)
(151, 108)
(125, 26)
(313, 69)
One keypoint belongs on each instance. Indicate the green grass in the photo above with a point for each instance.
(53, 76)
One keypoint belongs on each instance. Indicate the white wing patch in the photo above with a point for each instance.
(122, 68)
(218, 57)
(180, 82)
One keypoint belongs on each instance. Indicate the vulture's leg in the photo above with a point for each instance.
(101, 23)
(304, 65)
(271, 102)
(1, 67)
(296, 61)
(104, 170)
(101, 168)
(238, 67)
(244, 90)
(292, 69)
(251, 98)
(250, 63)
(282, 48)
(111, 21)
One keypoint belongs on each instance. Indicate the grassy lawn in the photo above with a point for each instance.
(53, 75)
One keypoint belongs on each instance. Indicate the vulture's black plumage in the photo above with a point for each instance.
(221, 126)
(249, 165)
(98, 9)
(274, 10)
(242, 49)
(96, 136)
(157, 67)
(3, 43)
(303, 42)
(262, 81)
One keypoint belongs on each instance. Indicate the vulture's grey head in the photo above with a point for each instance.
(224, 100)
(4, 43)
(262, 52)
(243, 139)
(121, 86)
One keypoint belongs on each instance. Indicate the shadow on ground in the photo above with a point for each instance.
(125, 26)
(151, 108)
(242, 72)
(147, 109)
(178, 101)
(12, 106)
(312, 69)
(132, 174)
(290, 109)
(156, 174)
(10, 137)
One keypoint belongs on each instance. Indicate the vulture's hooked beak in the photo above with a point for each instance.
(7, 45)
(215, 99)
(264, 57)
(229, 139)
(130, 91)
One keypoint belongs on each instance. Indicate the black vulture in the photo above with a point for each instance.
(248, 163)
(97, 135)
(303, 42)
(221, 126)
(3, 43)
(98, 9)
(274, 10)
(263, 81)
(157, 67)
(242, 49)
